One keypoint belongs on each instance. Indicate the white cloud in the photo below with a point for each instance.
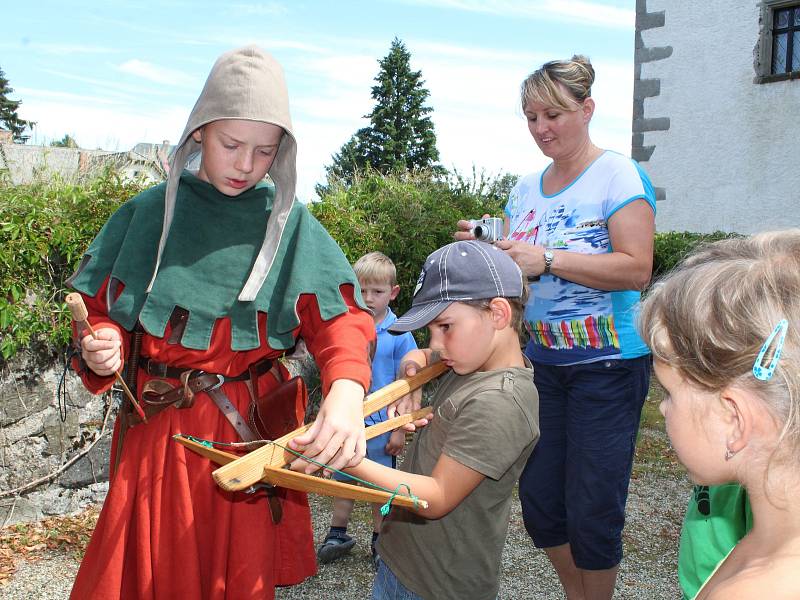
(98, 125)
(154, 73)
(475, 96)
(62, 49)
(583, 11)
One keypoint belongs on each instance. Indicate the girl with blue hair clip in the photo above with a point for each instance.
(724, 329)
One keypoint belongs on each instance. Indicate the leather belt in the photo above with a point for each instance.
(194, 381)
(157, 369)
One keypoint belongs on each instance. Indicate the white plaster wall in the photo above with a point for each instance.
(729, 160)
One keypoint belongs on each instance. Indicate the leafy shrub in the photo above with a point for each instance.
(405, 216)
(671, 247)
(44, 230)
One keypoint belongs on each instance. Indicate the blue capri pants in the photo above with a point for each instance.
(574, 488)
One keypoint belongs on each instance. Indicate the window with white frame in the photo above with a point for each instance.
(778, 56)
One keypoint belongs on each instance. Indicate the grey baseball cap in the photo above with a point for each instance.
(464, 270)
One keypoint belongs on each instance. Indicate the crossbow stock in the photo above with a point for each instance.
(268, 463)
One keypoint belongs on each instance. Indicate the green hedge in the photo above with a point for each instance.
(404, 216)
(44, 230)
(671, 247)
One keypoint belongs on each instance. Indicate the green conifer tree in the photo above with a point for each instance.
(8, 112)
(401, 135)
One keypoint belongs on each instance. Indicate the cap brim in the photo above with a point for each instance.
(419, 316)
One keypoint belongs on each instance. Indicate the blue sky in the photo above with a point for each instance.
(113, 73)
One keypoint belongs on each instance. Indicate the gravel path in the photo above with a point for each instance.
(648, 570)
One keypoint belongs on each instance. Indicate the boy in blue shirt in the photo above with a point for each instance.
(377, 277)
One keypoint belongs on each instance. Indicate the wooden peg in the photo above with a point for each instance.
(80, 315)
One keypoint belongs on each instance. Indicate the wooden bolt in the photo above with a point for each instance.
(80, 315)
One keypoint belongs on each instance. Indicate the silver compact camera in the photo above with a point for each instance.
(487, 230)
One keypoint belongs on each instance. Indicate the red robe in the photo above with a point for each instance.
(166, 529)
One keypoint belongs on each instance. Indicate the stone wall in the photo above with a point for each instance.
(34, 442)
(31, 163)
(27, 164)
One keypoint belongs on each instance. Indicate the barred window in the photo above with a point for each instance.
(785, 39)
(778, 50)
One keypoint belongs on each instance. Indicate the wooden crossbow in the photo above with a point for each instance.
(268, 463)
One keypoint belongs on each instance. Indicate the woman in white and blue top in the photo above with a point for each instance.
(582, 230)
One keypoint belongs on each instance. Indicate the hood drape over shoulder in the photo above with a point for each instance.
(246, 84)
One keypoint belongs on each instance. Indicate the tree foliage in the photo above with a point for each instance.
(66, 142)
(8, 112)
(44, 230)
(404, 215)
(401, 135)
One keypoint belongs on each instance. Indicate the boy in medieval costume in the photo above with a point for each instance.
(213, 276)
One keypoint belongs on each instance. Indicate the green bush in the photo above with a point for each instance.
(671, 247)
(405, 216)
(44, 230)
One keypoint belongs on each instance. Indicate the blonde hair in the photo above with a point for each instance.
(376, 267)
(562, 84)
(710, 317)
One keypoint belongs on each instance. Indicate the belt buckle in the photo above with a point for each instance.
(216, 386)
(211, 388)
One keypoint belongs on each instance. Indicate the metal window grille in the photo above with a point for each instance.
(786, 39)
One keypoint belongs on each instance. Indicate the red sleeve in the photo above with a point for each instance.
(98, 318)
(340, 345)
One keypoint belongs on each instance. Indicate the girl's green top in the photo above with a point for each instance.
(718, 516)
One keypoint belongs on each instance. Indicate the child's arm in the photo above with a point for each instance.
(449, 483)
(412, 362)
(103, 356)
(336, 438)
(339, 346)
(397, 441)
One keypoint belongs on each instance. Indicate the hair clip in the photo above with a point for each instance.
(761, 372)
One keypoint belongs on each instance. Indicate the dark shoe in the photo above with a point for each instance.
(334, 547)
(375, 557)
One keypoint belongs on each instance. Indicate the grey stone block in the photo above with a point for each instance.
(655, 124)
(92, 468)
(646, 88)
(643, 55)
(642, 154)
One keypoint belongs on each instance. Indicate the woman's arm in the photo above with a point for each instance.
(449, 483)
(628, 267)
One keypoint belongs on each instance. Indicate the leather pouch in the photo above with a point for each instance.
(279, 411)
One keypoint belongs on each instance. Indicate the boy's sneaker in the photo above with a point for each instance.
(334, 547)
(374, 556)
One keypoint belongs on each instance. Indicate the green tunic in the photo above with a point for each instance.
(212, 245)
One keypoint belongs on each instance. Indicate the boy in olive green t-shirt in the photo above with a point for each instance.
(465, 463)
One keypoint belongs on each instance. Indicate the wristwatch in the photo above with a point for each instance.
(548, 261)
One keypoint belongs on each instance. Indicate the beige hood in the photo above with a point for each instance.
(246, 83)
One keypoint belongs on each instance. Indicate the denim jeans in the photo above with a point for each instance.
(388, 587)
(575, 485)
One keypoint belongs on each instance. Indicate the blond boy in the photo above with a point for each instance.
(378, 279)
